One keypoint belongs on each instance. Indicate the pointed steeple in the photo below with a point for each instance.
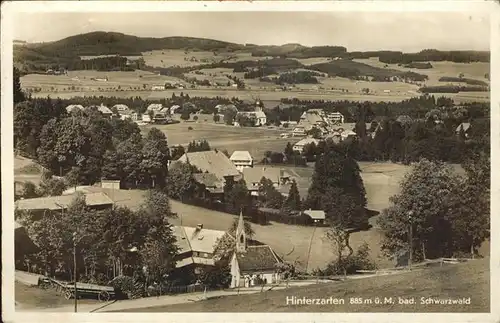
(241, 239)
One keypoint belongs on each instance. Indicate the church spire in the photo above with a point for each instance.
(241, 239)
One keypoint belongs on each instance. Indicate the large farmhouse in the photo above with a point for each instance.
(196, 246)
(213, 162)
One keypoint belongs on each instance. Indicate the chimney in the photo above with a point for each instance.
(199, 227)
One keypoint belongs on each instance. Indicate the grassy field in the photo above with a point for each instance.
(132, 83)
(255, 140)
(475, 70)
(78, 83)
(172, 57)
(464, 280)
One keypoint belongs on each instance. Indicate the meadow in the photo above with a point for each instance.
(471, 279)
(138, 83)
(78, 83)
(174, 57)
(255, 140)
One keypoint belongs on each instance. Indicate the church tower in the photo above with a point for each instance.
(241, 239)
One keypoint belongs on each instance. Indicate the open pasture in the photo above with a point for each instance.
(173, 57)
(81, 82)
(220, 136)
(475, 70)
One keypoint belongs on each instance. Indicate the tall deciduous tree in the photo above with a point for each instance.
(180, 183)
(124, 162)
(156, 155)
(425, 202)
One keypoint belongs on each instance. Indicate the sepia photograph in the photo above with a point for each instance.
(238, 157)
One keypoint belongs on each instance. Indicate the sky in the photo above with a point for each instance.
(359, 31)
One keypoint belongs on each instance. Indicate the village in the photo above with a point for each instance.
(169, 173)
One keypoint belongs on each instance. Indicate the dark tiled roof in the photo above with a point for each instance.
(207, 179)
(257, 258)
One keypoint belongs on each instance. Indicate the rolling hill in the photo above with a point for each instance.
(33, 58)
(107, 43)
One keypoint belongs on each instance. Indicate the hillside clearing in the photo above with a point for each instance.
(464, 280)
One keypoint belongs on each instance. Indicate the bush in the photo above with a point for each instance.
(350, 265)
(123, 285)
(190, 128)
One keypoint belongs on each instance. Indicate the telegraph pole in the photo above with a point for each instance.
(74, 270)
(410, 243)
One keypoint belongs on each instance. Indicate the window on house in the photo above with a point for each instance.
(241, 238)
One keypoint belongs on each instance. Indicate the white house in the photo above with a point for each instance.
(241, 159)
(154, 107)
(146, 118)
(158, 87)
(260, 116)
(252, 265)
(299, 131)
(299, 146)
(335, 117)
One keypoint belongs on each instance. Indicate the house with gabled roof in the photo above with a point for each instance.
(94, 200)
(299, 146)
(210, 186)
(213, 162)
(252, 264)
(241, 159)
(253, 176)
(316, 216)
(196, 246)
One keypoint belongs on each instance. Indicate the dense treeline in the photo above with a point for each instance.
(299, 51)
(435, 56)
(435, 137)
(452, 89)
(462, 80)
(416, 108)
(111, 63)
(259, 72)
(86, 146)
(419, 65)
(353, 70)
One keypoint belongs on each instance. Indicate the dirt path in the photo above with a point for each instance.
(142, 303)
